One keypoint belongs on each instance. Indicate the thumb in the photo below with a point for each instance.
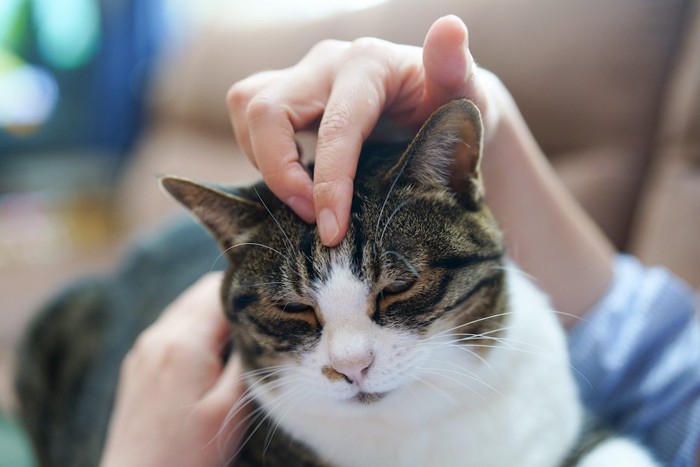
(449, 66)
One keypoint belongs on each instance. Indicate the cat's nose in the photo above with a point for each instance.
(354, 368)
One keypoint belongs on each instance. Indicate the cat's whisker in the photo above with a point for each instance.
(221, 255)
(461, 347)
(267, 372)
(265, 416)
(249, 421)
(261, 245)
(569, 315)
(515, 270)
(440, 373)
(391, 190)
(391, 216)
(465, 335)
(513, 348)
(248, 395)
(246, 422)
(302, 395)
(460, 371)
(260, 284)
(510, 268)
(470, 323)
(404, 260)
(511, 341)
(541, 353)
(437, 389)
(288, 241)
(466, 338)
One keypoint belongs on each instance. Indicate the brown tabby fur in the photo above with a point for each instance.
(411, 223)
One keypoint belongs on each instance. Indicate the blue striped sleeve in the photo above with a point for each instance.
(636, 356)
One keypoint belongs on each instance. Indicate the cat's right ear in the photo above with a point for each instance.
(225, 215)
(446, 152)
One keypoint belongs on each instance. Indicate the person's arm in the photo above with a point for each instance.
(547, 232)
(349, 85)
(175, 395)
(637, 360)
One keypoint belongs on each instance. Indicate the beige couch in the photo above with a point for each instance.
(610, 88)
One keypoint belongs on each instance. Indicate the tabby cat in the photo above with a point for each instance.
(412, 343)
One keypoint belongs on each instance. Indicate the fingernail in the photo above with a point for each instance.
(303, 207)
(328, 226)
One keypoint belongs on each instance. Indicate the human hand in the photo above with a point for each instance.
(348, 86)
(175, 392)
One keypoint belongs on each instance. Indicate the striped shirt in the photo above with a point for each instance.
(636, 356)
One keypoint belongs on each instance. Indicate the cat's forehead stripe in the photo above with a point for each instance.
(307, 250)
(342, 295)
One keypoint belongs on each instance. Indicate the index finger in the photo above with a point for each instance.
(353, 108)
(272, 140)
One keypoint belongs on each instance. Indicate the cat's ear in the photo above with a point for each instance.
(446, 152)
(225, 215)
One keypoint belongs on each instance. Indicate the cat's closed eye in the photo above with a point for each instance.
(296, 307)
(398, 286)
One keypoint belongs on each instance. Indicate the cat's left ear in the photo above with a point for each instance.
(446, 152)
(225, 215)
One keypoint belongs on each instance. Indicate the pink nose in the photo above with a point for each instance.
(355, 368)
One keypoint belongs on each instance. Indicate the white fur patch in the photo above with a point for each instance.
(441, 404)
(618, 452)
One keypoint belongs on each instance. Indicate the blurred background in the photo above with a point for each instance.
(75, 78)
(72, 80)
(76, 92)
(99, 97)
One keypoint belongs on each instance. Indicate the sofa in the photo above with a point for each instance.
(611, 90)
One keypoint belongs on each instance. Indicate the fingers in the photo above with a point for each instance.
(265, 131)
(356, 101)
(450, 70)
(237, 100)
(196, 318)
(273, 144)
(267, 110)
(347, 86)
(229, 386)
(446, 60)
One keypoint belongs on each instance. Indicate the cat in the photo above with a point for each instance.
(414, 342)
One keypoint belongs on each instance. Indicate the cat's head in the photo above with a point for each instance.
(419, 265)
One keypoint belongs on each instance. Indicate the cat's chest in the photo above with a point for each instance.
(447, 427)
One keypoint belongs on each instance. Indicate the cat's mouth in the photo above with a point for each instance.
(369, 397)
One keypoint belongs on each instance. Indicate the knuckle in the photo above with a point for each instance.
(334, 122)
(152, 349)
(337, 131)
(328, 46)
(146, 344)
(277, 177)
(332, 188)
(324, 189)
(237, 96)
(367, 47)
(243, 91)
(261, 108)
